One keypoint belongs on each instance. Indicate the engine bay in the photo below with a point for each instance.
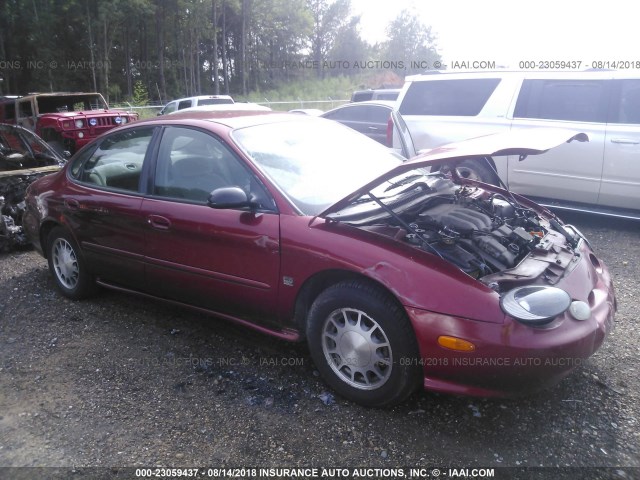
(480, 237)
(483, 233)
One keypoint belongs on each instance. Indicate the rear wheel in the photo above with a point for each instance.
(67, 265)
(362, 344)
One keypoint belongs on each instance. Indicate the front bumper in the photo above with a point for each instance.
(513, 359)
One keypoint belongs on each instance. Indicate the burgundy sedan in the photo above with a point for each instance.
(306, 230)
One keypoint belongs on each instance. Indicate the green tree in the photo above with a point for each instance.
(409, 41)
(329, 17)
(140, 94)
(349, 50)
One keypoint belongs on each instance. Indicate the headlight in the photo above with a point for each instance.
(535, 305)
(79, 123)
(124, 120)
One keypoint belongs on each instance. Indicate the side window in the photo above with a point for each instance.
(387, 96)
(464, 98)
(10, 142)
(171, 107)
(378, 114)
(9, 113)
(24, 109)
(78, 160)
(25, 115)
(184, 104)
(626, 103)
(357, 113)
(117, 162)
(569, 100)
(191, 164)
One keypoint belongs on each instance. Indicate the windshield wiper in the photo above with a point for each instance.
(404, 181)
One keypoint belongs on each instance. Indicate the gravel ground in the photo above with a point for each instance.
(122, 381)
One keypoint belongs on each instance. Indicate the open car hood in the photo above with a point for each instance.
(522, 142)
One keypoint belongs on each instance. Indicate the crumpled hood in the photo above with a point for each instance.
(521, 142)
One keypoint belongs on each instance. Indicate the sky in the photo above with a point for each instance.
(510, 32)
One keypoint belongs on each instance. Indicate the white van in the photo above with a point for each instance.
(195, 102)
(602, 176)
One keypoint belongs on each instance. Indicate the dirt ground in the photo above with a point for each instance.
(122, 381)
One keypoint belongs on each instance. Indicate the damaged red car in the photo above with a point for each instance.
(396, 276)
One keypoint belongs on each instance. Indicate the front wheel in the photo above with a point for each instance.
(474, 170)
(362, 344)
(67, 265)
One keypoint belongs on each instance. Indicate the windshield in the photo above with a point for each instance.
(20, 149)
(315, 162)
(70, 103)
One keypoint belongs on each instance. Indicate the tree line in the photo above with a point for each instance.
(139, 50)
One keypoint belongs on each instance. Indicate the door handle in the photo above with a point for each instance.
(627, 141)
(158, 222)
(370, 127)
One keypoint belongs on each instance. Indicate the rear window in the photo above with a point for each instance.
(387, 95)
(464, 98)
(362, 96)
(214, 101)
(569, 100)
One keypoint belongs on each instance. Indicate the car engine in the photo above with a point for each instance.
(480, 232)
(480, 237)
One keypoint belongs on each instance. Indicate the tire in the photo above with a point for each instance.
(67, 265)
(347, 325)
(475, 170)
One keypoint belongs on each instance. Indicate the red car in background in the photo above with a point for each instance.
(306, 230)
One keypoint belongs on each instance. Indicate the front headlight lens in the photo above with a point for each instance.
(79, 123)
(535, 305)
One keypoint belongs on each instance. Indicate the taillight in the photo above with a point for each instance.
(390, 132)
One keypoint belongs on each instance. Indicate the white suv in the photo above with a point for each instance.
(602, 175)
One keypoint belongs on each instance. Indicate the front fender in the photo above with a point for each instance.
(416, 278)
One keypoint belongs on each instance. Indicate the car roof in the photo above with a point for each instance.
(230, 118)
(376, 103)
(384, 103)
(223, 107)
(200, 97)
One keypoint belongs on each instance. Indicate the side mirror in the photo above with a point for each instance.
(229, 197)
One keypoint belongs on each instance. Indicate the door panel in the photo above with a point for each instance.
(621, 171)
(104, 209)
(570, 172)
(226, 260)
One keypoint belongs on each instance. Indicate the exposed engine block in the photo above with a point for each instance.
(479, 237)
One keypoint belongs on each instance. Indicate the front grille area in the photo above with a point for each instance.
(104, 121)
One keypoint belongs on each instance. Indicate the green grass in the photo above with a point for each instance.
(310, 93)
